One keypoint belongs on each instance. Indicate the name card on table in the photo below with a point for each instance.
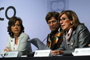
(42, 53)
(81, 52)
(12, 54)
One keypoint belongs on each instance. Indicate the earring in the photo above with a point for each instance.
(71, 23)
(11, 33)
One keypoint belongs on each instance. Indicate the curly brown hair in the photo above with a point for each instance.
(12, 22)
(50, 15)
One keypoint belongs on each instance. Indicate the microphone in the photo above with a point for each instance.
(44, 39)
(39, 44)
(56, 27)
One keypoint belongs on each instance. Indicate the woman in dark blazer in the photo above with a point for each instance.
(76, 35)
(55, 37)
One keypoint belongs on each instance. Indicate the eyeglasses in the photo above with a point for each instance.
(54, 21)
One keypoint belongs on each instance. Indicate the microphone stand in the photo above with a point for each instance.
(44, 39)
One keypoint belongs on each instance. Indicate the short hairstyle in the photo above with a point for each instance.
(72, 16)
(50, 15)
(12, 22)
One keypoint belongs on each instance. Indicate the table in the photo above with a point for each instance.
(50, 58)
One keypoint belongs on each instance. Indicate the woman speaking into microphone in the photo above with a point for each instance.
(76, 35)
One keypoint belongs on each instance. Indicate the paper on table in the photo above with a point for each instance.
(81, 52)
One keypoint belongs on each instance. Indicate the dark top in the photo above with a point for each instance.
(54, 39)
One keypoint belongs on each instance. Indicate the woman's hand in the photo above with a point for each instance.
(7, 49)
(89, 45)
(57, 52)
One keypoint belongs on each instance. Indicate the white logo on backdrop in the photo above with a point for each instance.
(57, 5)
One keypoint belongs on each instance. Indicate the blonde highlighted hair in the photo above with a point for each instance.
(72, 16)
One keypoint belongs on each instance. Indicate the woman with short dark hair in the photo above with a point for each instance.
(54, 38)
(17, 40)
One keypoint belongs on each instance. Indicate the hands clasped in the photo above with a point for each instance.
(7, 49)
(57, 52)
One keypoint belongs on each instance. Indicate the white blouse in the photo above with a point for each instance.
(16, 47)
